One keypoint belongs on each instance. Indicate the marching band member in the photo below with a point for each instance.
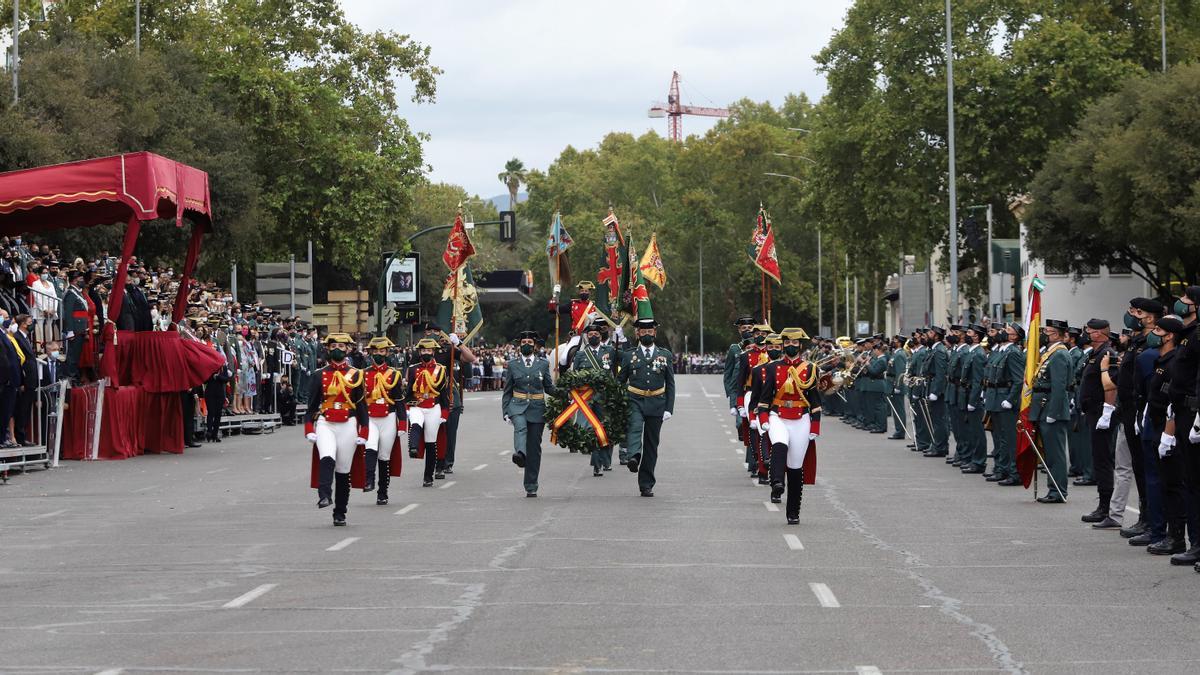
(428, 404)
(789, 410)
(336, 421)
(384, 387)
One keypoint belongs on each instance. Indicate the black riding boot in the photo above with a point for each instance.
(778, 471)
(325, 482)
(415, 434)
(795, 492)
(430, 462)
(341, 497)
(372, 456)
(385, 478)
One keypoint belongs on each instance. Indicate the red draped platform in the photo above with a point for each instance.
(147, 370)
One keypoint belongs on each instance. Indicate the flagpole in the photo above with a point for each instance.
(557, 314)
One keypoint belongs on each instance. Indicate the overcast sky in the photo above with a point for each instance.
(526, 78)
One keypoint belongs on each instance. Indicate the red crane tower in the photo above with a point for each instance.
(673, 109)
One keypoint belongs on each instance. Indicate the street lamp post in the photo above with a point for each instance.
(953, 188)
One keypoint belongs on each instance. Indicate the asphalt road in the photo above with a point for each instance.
(218, 561)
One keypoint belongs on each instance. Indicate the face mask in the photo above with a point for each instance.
(1182, 308)
(968, 340)
(1154, 340)
(337, 355)
(1132, 322)
(648, 340)
(594, 340)
(54, 354)
(526, 350)
(773, 353)
(760, 339)
(427, 357)
(379, 359)
(791, 350)
(745, 334)
(584, 296)
(45, 276)
(952, 339)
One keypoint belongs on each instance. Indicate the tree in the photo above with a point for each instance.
(1124, 189)
(513, 176)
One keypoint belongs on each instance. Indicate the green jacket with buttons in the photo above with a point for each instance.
(522, 384)
(649, 375)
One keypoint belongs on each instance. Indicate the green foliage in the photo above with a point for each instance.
(613, 412)
(1125, 187)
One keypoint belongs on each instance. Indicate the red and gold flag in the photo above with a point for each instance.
(458, 246)
(1027, 454)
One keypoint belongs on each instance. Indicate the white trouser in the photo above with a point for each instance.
(337, 440)
(381, 435)
(793, 434)
(429, 420)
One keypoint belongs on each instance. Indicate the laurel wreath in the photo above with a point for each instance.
(613, 412)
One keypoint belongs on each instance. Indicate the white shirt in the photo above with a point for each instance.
(45, 299)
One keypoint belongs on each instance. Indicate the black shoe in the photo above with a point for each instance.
(647, 493)
(439, 475)
(530, 495)
(1144, 539)
(1009, 482)
(879, 431)
(518, 458)
(449, 470)
(895, 437)
(994, 478)
(382, 501)
(1084, 482)
(339, 522)
(1107, 524)
(1095, 516)
(911, 446)
(624, 462)
(953, 459)
(776, 500)
(793, 521)
(369, 485)
(1167, 546)
(1134, 530)
(763, 480)
(324, 502)
(1074, 473)
(596, 473)
(776, 492)
(427, 483)
(608, 468)
(632, 463)
(972, 469)
(932, 454)
(1051, 499)
(1188, 557)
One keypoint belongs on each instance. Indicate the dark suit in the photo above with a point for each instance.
(10, 386)
(27, 394)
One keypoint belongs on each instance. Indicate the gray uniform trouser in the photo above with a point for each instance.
(1123, 471)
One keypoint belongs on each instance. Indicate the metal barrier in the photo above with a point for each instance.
(45, 432)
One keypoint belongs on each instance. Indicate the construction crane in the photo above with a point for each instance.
(673, 109)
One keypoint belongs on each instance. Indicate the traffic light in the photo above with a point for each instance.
(508, 226)
(975, 238)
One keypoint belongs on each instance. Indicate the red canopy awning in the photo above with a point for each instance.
(137, 185)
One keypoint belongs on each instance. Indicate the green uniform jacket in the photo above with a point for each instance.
(895, 373)
(521, 380)
(916, 369)
(935, 370)
(1014, 366)
(1051, 398)
(953, 376)
(649, 374)
(72, 302)
(603, 358)
(974, 365)
(872, 377)
(732, 386)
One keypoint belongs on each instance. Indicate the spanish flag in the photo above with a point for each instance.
(1027, 454)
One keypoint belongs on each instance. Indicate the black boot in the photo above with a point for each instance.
(325, 482)
(385, 479)
(415, 434)
(341, 497)
(430, 462)
(795, 494)
(372, 456)
(1169, 545)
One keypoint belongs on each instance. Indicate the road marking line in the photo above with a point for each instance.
(266, 458)
(145, 489)
(111, 671)
(447, 484)
(504, 452)
(481, 466)
(824, 595)
(734, 440)
(774, 508)
(713, 395)
(407, 509)
(868, 670)
(343, 544)
(246, 598)
(217, 470)
(793, 543)
(683, 395)
(49, 515)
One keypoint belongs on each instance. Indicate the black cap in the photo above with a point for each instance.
(1098, 324)
(938, 329)
(955, 326)
(745, 320)
(1115, 337)
(1147, 305)
(979, 330)
(528, 335)
(645, 323)
(1171, 324)
(74, 274)
(1057, 324)
(430, 325)
(1074, 331)
(1017, 327)
(1192, 293)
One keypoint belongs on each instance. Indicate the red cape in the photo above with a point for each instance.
(358, 469)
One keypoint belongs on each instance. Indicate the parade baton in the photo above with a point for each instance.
(1043, 461)
(897, 417)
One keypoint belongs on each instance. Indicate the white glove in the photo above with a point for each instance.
(812, 436)
(507, 419)
(666, 415)
(933, 397)
(1165, 443)
(1006, 405)
(1170, 411)
(1050, 420)
(1194, 435)
(1105, 417)
(311, 438)
(454, 339)
(69, 334)
(765, 426)
(733, 411)
(895, 390)
(970, 408)
(360, 441)
(744, 412)
(754, 424)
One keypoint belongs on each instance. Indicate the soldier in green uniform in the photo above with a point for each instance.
(875, 388)
(1079, 438)
(646, 371)
(917, 391)
(973, 363)
(595, 355)
(733, 389)
(527, 381)
(954, 395)
(1050, 408)
(936, 384)
(75, 322)
(897, 369)
(1010, 379)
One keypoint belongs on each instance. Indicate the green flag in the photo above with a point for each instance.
(460, 312)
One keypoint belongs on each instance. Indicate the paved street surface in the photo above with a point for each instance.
(219, 561)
